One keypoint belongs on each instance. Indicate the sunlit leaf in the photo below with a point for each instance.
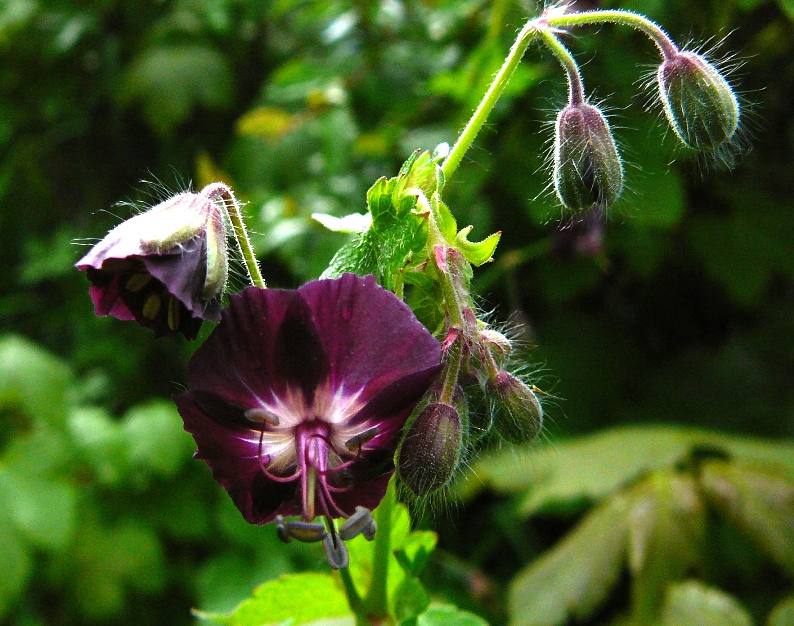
(667, 529)
(302, 598)
(446, 615)
(693, 603)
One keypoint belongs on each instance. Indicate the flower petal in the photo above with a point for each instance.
(371, 337)
(233, 456)
(238, 361)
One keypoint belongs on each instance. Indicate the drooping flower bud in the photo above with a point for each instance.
(165, 268)
(518, 415)
(431, 449)
(699, 103)
(587, 168)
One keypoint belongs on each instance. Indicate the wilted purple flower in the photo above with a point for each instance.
(165, 268)
(298, 398)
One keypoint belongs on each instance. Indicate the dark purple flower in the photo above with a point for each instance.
(165, 268)
(298, 398)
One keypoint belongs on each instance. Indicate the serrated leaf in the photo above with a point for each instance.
(693, 603)
(479, 252)
(574, 577)
(302, 598)
(667, 527)
(572, 473)
(351, 224)
(34, 379)
(760, 500)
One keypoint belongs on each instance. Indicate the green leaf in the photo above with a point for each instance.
(303, 598)
(788, 8)
(398, 233)
(760, 500)
(572, 473)
(446, 615)
(782, 614)
(667, 528)
(16, 564)
(574, 577)
(476, 253)
(98, 437)
(410, 599)
(44, 510)
(33, 379)
(693, 602)
(171, 81)
(156, 440)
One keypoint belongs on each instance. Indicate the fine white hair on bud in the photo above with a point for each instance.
(700, 105)
(587, 167)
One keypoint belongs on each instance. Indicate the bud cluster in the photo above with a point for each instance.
(441, 430)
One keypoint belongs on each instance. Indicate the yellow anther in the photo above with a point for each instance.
(136, 282)
(151, 307)
(174, 311)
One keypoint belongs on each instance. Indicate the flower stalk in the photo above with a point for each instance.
(219, 191)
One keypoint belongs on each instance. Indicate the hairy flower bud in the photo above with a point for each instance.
(431, 449)
(587, 168)
(517, 412)
(699, 103)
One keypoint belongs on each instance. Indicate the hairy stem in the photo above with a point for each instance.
(575, 85)
(488, 101)
(626, 18)
(219, 191)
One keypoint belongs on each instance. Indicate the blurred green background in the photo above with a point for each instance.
(684, 314)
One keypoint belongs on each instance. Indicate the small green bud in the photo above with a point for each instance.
(518, 415)
(699, 103)
(587, 168)
(430, 452)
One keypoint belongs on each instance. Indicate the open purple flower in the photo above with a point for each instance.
(298, 398)
(165, 268)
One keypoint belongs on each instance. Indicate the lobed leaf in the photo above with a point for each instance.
(574, 577)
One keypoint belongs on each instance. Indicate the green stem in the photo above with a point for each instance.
(353, 598)
(488, 101)
(376, 604)
(575, 85)
(219, 191)
(625, 18)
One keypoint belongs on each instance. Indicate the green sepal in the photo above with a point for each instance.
(479, 252)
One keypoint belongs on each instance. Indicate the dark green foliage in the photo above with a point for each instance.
(684, 316)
